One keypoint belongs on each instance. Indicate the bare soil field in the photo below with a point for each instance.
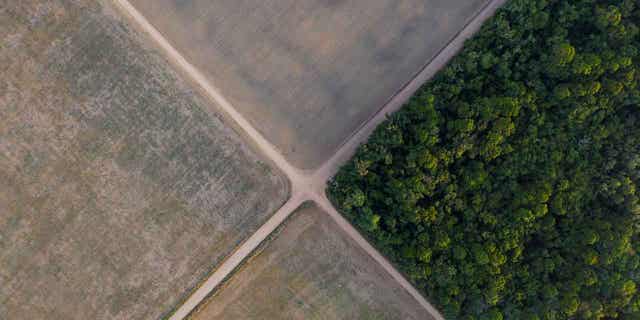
(120, 189)
(311, 270)
(308, 73)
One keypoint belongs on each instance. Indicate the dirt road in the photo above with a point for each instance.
(305, 186)
(234, 260)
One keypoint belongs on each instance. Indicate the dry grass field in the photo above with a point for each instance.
(119, 187)
(311, 270)
(308, 73)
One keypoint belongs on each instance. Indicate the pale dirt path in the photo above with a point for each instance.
(238, 256)
(305, 186)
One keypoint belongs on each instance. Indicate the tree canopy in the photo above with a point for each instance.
(506, 187)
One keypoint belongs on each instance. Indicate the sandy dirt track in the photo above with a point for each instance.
(305, 185)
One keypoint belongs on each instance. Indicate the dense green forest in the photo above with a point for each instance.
(506, 187)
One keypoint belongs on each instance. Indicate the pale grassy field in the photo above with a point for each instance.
(119, 187)
(311, 270)
(307, 73)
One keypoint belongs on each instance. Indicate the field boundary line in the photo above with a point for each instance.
(235, 260)
(247, 261)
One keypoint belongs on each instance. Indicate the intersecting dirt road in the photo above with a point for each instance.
(305, 185)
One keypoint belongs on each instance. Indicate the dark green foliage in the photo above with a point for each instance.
(506, 188)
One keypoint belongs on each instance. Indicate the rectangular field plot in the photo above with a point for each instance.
(308, 73)
(311, 270)
(119, 190)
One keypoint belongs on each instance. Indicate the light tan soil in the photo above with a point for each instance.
(119, 189)
(308, 73)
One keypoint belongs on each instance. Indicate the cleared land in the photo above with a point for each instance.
(119, 189)
(307, 73)
(311, 270)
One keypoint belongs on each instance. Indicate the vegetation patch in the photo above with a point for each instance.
(506, 188)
